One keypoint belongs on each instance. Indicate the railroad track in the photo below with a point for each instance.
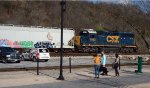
(91, 54)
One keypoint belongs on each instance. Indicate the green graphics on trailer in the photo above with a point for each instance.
(16, 44)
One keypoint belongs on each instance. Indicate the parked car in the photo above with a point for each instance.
(26, 55)
(7, 54)
(37, 53)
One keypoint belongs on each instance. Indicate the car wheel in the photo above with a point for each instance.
(17, 61)
(4, 60)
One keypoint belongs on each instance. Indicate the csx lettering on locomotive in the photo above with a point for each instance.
(113, 39)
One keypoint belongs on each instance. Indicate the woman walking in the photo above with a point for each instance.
(116, 64)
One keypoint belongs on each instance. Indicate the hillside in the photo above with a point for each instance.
(80, 15)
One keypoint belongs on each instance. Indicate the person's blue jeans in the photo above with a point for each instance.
(97, 67)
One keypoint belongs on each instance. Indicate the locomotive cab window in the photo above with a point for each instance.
(83, 34)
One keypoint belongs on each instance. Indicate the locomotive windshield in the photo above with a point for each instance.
(83, 34)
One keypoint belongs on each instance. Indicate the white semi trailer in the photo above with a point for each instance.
(35, 37)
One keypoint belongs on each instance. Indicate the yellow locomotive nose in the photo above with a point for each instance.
(77, 40)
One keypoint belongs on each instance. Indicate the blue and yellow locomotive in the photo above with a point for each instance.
(108, 41)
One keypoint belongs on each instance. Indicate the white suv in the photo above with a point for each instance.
(40, 53)
(37, 53)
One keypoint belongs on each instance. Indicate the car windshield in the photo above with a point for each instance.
(27, 51)
(43, 50)
(7, 49)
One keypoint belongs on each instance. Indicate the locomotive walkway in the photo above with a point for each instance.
(79, 78)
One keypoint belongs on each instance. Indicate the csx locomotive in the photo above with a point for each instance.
(108, 41)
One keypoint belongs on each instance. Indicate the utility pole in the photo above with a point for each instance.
(63, 8)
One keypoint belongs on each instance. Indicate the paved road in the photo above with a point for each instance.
(79, 78)
(55, 61)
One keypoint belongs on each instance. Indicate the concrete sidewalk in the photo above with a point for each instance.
(79, 78)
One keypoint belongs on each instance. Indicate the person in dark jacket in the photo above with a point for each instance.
(116, 64)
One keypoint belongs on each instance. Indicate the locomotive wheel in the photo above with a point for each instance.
(95, 49)
(123, 50)
(84, 49)
(131, 50)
